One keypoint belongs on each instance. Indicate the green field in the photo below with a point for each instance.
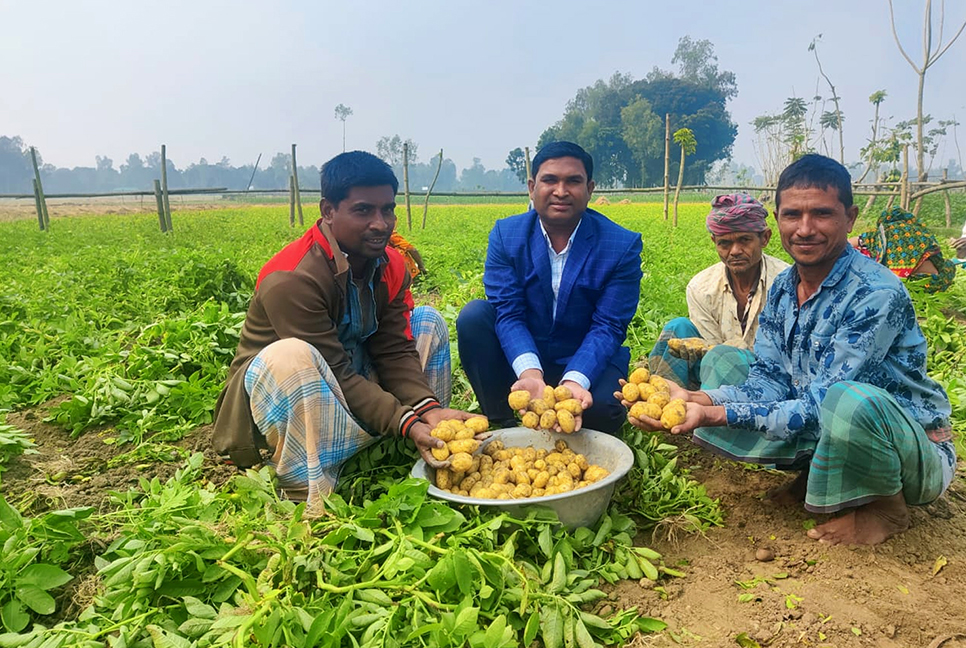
(105, 323)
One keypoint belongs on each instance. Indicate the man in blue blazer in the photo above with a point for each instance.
(562, 284)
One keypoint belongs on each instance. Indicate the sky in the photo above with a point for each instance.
(477, 79)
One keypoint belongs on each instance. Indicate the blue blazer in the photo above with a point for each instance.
(598, 294)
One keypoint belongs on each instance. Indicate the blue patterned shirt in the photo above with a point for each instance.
(860, 325)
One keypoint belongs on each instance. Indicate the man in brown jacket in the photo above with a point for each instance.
(332, 354)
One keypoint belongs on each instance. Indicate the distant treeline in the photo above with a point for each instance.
(138, 173)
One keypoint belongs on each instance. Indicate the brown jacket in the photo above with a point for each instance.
(301, 293)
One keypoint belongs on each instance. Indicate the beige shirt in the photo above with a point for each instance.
(713, 309)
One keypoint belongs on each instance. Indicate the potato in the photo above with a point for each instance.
(574, 470)
(659, 398)
(443, 432)
(477, 424)
(493, 447)
(631, 392)
(561, 445)
(571, 405)
(566, 421)
(548, 396)
(548, 419)
(522, 491)
(467, 446)
(676, 402)
(659, 383)
(672, 417)
(521, 477)
(581, 461)
(647, 390)
(540, 481)
(517, 462)
(483, 493)
(562, 393)
(440, 454)
(461, 461)
(538, 406)
(463, 432)
(519, 399)
(537, 492)
(501, 476)
(468, 483)
(540, 464)
(531, 420)
(639, 375)
(444, 478)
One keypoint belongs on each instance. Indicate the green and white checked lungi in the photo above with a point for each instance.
(298, 405)
(869, 447)
(662, 362)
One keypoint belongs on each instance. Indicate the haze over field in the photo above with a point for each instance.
(239, 78)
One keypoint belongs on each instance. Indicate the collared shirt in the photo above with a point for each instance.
(860, 325)
(359, 320)
(713, 309)
(557, 262)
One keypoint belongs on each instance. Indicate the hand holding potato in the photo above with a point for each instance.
(429, 446)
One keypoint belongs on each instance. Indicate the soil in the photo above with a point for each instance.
(808, 593)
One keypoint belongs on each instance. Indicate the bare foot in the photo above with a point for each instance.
(870, 524)
(791, 493)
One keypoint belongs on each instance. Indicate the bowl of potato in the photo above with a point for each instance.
(519, 468)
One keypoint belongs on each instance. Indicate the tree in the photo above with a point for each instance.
(16, 169)
(342, 113)
(390, 149)
(929, 58)
(684, 138)
(868, 152)
(643, 132)
(697, 63)
(837, 123)
(517, 163)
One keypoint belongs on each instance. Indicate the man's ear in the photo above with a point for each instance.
(530, 185)
(765, 236)
(325, 209)
(590, 187)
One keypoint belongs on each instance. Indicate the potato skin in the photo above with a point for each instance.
(478, 424)
(531, 420)
(562, 393)
(518, 399)
(548, 419)
(440, 454)
(549, 396)
(538, 406)
(672, 416)
(566, 422)
(631, 392)
(639, 375)
(571, 405)
(467, 446)
(461, 461)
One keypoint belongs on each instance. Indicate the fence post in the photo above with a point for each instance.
(949, 206)
(904, 180)
(409, 213)
(291, 201)
(40, 190)
(431, 185)
(40, 209)
(162, 221)
(667, 159)
(164, 188)
(526, 160)
(295, 181)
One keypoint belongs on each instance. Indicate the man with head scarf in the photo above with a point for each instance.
(724, 301)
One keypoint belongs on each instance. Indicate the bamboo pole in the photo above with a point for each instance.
(164, 187)
(162, 221)
(254, 169)
(431, 185)
(409, 212)
(40, 208)
(946, 202)
(667, 159)
(526, 160)
(291, 200)
(295, 180)
(40, 189)
(904, 180)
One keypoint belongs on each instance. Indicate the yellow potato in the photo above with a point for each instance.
(521, 477)
(548, 396)
(443, 432)
(571, 405)
(566, 421)
(440, 454)
(639, 375)
(548, 419)
(522, 491)
(659, 383)
(519, 399)
(647, 390)
(501, 476)
(537, 492)
(483, 493)
(467, 446)
(444, 479)
(631, 392)
(538, 406)
(574, 470)
(461, 461)
(672, 417)
(463, 432)
(531, 420)
(676, 344)
(477, 424)
(659, 398)
(540, 481)
(638, 410)
(676, 402)
(517, 462)
(493, 447)
(595, 473)
(562, 393)
(561, 446)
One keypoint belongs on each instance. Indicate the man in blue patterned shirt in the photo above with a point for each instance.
(839, 388)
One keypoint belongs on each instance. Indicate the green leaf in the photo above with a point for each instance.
(647, 624)
(530, 631)
(545, 541)
(463, 569)
(584, 640)
(196, 608)
(559, 573)
(494, 634)
(36, 599)
(9, 517)
(745, 641)
(163, 639)
(44, 576)
(13, 616)
(856, 631)
(466, 622)
(551, 626)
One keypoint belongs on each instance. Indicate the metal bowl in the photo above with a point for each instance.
(581, 507)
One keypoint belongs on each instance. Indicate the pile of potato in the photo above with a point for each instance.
(557, 407)
(519, 473)
(460, 444)
(649, 396)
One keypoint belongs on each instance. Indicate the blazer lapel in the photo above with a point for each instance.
(580, 250)
(540, 257)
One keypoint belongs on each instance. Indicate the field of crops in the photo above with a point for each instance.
(107, 326)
